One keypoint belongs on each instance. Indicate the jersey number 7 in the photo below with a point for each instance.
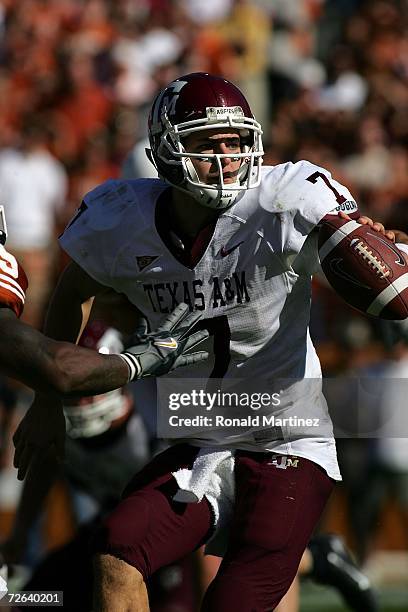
(219, 328)
(316, 175)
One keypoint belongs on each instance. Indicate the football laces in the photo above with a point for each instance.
(376, 264)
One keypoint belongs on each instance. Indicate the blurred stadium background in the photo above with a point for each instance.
(328, 79)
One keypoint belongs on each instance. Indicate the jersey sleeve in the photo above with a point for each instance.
(302, 194)
(13, 283)
(94, 236)
(306, 192)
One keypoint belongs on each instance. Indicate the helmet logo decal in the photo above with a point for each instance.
(167, 100)
(215, 112)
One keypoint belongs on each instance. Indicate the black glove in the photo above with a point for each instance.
(165, 349)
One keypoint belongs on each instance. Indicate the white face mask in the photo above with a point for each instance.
(172, 154)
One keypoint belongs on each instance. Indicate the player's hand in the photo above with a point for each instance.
(375, 225)
(41, 431)
(400, 237)
(163, 350)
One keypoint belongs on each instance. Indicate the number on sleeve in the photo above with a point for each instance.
(316, 175)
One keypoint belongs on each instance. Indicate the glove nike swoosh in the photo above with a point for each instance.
(171, 343)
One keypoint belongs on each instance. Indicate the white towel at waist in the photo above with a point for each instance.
(211, 476)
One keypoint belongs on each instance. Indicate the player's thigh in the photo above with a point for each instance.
(148, 529)
(277, 502)
(275, 514)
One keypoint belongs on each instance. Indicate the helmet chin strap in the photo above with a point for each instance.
(219, 199)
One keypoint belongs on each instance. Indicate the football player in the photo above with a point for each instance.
(236, 241)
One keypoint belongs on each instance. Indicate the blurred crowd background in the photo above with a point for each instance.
(328, 80)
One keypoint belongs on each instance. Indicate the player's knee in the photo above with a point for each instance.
(113, 573)
(117, 585)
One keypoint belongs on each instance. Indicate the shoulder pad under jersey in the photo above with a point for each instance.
(13, 282)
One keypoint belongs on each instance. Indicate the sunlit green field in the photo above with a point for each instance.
(322, 599)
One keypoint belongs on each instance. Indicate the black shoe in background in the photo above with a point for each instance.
(334, 565)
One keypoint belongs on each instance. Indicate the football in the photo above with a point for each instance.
(364, 267)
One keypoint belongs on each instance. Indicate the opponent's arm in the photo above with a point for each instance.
(33, 440)
(62, 368)
(151, 354)
(57, 368)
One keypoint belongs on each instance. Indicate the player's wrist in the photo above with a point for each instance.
(133, 364)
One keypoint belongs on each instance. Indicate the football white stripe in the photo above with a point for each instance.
(17, 292)
(337, 237)
(388, 294)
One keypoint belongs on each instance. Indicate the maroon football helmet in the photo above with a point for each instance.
(197, 102)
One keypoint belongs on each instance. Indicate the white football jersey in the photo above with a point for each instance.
(253, 281)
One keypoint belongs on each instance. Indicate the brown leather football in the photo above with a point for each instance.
(364, 267)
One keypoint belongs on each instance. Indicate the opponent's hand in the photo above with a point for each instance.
(41, 431)
(163, 350)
